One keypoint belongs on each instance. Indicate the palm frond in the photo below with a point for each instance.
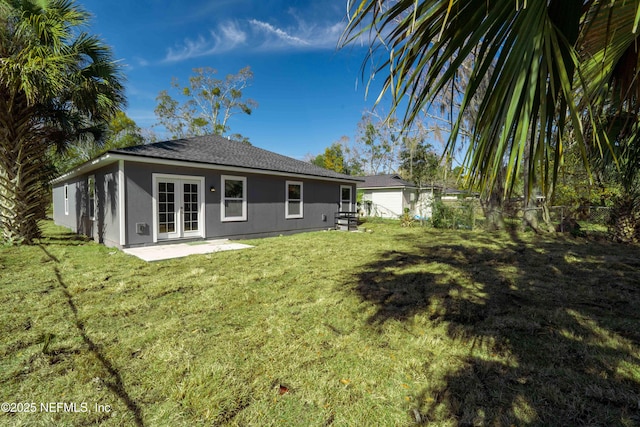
(545, 67)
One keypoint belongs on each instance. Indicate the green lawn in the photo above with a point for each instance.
(391, 327)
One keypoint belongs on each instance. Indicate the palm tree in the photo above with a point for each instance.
(555, 72)
(57, 83)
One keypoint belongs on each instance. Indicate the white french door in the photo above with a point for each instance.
(178, 207)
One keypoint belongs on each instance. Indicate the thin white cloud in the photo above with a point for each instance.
(279, 34)
(303, 35)
(227, 37)
(232, 34)
(257, 36)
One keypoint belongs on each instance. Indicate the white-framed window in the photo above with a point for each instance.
(233, 203)
(293, 203)
(91, 196)
(345, 198)
(66, 199)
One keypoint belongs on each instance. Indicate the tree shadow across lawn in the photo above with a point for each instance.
(551, 330)
(114, 381)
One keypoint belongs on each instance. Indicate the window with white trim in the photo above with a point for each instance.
(345, 198)
(91, 196)
(66, 199)
(234, 198)
(293, 204)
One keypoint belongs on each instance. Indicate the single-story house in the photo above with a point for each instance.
(197, 188)
(387, 196)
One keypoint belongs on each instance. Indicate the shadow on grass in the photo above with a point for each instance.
(67, 239)
(550, 330)
(115, 384)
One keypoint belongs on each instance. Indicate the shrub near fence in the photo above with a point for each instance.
(460, 215)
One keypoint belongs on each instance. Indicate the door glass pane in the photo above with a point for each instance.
(172, 197)
(166, 208)
(190, 207)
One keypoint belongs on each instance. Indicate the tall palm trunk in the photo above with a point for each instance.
(624, 219)
(493, 203)
(23, 173)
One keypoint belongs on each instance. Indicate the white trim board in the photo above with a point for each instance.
(122, 212)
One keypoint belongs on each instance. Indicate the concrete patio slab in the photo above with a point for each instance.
(178, 250)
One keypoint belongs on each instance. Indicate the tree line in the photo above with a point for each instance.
(381, 146)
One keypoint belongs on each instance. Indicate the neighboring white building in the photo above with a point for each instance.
(387, 196)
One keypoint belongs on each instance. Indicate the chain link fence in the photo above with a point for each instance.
(469, 215)
(570, 219)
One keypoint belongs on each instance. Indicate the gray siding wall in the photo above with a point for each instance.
(265, 203)
(139, 201)
(105, 228)
(107, 216)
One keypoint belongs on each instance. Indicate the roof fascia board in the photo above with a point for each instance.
(89, 166)
(186, 163)
(396, 187)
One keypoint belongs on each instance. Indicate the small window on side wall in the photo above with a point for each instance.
(66, 199)
(91, 196)
(234, 198)
(293, 203)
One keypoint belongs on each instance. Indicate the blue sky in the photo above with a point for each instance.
(309, 93)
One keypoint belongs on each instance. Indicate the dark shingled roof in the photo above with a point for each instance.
(218, 150)
(384, 181)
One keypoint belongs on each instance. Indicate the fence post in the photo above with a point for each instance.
(473, 216)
